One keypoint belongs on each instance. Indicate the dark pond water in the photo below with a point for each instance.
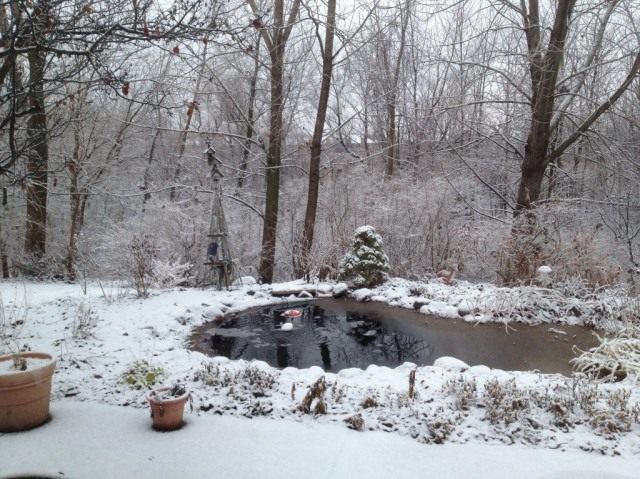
(336, 334)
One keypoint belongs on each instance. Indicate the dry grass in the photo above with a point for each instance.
(613, 359)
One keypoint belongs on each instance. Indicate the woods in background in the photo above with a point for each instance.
(489, 134)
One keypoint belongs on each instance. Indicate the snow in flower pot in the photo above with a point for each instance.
(25, 387)
(167, 407)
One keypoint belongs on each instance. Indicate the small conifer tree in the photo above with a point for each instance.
(366, 264)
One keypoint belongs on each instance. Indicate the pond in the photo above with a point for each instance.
(335, 334)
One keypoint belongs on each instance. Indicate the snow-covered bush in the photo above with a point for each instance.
(248, 381)
(526, 249)
(547, 237)
(84, 321)
(142, 251)
(179, 237)
(168, 274)
(366, 264)
(46, 267)
(613, 359)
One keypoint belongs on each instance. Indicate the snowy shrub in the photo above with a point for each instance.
(579, 257)
(113, 291)
(177, 236)
(522, 411)
(464, 391)
(504, 402)
(313, 401)
(440, 427)
(49, 266)
(355, 422)
(142, 251)
(211, 375)
(168, 274)
(84, 322)
(260, 380)
(547, 237)
(369, 402)
(524, 250)
(366, 264)
(250, 380)
(608, 423)
(13, 318)
(613, 359)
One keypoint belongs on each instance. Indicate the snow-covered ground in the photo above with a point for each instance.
(99, 333)
(97, 441)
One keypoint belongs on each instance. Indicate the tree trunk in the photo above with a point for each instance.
(147, 172)
(192, 108)
(276, 41)
(74, 197)
(37, 159)
(246, 151)
(5, 264)
(159, 98)
(365, 134)
(544, 76)
(392, 93)
(316, 143)
(391, 139)
(274, 154)
(74, 230)
(4, 258)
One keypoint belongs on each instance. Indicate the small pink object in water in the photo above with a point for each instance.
(292, 313)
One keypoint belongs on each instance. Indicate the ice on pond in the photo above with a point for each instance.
(231, 332)
(336, 334)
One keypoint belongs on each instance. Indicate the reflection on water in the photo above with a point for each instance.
(334, 337)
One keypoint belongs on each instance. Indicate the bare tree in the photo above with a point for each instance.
(251, 115)
(387, 47)
(545, 65)
(38, 158)
(275, 38)
(326, 49)
(40, 35)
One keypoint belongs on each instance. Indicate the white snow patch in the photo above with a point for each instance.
(439, 308)
(361, 294)
(208, 446)
(479, 370)
(451, 364)
(245, 281)
(465, 308)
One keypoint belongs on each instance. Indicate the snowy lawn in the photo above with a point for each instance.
(107, 341)
(98, 441)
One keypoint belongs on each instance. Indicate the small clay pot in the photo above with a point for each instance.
(167, 413)
(24, 395)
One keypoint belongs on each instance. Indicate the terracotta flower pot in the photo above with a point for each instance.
(167, 412)
(24, 395)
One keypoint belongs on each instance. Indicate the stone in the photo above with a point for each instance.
(451, 364)
(340, 290)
